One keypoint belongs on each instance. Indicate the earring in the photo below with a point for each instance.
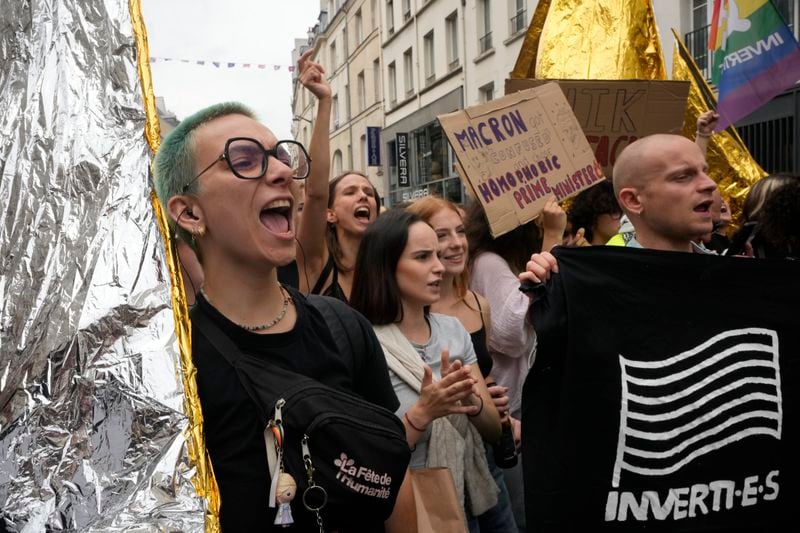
(197, 233)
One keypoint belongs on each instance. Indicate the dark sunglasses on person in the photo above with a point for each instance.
(248, 159)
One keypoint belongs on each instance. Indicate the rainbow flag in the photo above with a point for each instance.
(756, 56)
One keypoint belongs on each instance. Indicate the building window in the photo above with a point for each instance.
(335, 111)
(788, 11)
(390, 16)
(406, 10)
(376, 78)
(486, 93)
(359, 24)
(345, 47)
(484, 26)
(346, 102)
(697, 40)
(373, 11)
(334, 61)
(337, 162)
(430, 72)
(392, 83)
(699, 13)
(519, 19)
(362, 92)
(363, 146)
(430, 168)
(451, 27)
(391, 157)
(408, 72)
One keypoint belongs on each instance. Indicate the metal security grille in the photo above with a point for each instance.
(772, 143)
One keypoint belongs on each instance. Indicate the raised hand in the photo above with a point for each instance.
(706, 123)
(554, 218)
(312, 76)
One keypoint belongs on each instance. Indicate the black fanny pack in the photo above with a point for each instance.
(347, 456)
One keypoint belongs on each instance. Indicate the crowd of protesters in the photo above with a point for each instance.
(451, 341)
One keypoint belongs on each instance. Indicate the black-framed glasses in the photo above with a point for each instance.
(248, 159)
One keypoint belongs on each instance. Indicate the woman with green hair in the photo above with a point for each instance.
(226, 183)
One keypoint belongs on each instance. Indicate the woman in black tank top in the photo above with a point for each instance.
(352, 205)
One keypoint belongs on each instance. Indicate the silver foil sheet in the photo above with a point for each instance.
(91, 403)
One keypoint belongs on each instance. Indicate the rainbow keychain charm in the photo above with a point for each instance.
(283, 486)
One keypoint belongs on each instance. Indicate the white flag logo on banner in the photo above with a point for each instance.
(680, 408)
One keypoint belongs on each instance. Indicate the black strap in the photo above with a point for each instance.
(224, 345)
(323, 276)
(343, 325)
(480, 310)
(218, 339)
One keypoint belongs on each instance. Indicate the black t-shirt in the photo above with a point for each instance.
(231, 422)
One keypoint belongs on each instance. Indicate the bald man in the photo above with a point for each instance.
(661, 183)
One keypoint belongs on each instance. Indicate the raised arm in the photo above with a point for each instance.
(705, 129)
(312, 251)
(554, 221)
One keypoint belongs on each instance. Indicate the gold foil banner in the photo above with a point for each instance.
(525, 67)
(593, 40)
(204, 482)
(152, 129)
(729, 160)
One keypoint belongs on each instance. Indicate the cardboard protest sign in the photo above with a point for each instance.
(518, 151)
(613, 113)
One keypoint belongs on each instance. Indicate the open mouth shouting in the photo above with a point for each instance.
(363, 214)
(276, 217)
(704, 208)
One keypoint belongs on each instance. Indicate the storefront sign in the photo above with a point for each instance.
(373, 146)
(520, 150)
(414, 195)
(402, 160)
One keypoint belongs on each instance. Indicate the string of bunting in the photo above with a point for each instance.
(221, 64)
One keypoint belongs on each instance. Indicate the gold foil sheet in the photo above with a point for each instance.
(525, 67)
(204, 482)
(592, 40)
(618, 39)
(91, 398)
(729, 161)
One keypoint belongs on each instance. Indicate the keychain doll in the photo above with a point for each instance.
(286, 491)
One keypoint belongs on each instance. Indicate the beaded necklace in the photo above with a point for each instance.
(267, 325)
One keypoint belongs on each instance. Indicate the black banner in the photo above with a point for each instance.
(663, 396)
